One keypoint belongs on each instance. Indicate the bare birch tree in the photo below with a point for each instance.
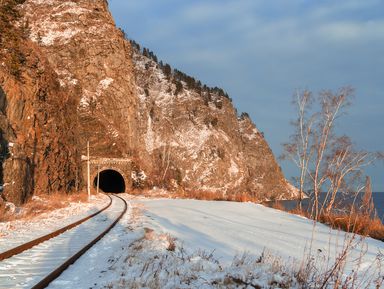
(344, 170)
(326, 162)
(299, 149)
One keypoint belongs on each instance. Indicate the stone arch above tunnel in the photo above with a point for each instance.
(97, 164)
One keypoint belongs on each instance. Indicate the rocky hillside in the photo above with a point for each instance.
(38, 135)
(98, 87)
(196, 139)
(92, 59)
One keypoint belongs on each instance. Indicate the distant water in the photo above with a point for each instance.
(378, 200)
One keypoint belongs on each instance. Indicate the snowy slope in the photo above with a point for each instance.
(229, 228)
(138, 252)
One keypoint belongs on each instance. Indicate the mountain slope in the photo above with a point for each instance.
(186, 137)
(196, 138)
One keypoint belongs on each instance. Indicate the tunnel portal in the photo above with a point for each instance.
(110, 181)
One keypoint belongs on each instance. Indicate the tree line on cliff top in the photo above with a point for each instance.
(178, 76)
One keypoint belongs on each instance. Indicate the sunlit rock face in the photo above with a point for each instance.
(38, 120)
(93, 60)
(197, 138)
(102, 90)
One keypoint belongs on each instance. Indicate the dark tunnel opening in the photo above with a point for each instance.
(110, 181)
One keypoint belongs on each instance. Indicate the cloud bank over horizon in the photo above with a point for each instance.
(261, 51)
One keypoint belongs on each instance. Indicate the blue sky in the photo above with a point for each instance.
(260, 51)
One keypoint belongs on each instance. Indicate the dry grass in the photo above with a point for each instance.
(159, 261)
(278, 206)
(355, 222)
(41, 204)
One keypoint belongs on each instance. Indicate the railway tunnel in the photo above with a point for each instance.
(111, 181)
(114, 174)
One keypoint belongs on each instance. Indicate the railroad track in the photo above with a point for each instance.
(37, 263)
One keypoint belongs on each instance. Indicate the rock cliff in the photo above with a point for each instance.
(38, 139)
(90, 83)
(196, 139)
(92, 59)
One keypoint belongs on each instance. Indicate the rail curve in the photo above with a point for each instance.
(38, 266)
(21, 248)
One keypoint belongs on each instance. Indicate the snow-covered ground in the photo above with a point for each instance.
(167, 243)
(17, 232)
(231, 228)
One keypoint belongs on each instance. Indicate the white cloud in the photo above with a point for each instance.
(352, 31)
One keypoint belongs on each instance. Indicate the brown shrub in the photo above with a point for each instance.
(42, 204)
(355, 222)
(300, 212)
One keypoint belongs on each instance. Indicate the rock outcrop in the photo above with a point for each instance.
(93, 60)
(87, 82)
(38, 135)
(195, 137)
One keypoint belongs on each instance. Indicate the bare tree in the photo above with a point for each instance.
(344, 167)
(326, 162)
(299, 149)
(367, 206)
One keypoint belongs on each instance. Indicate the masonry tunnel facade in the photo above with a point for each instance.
(110, 181)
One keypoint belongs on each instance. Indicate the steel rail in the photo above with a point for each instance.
(57, 272)
(26, 246)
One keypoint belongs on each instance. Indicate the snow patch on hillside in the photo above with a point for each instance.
(149, 136)
(152, 140)
(55, 27)
(90, 97)
(193, 139)
(66, 78)
(233, 169)
(104, 84)
(49, 32)
(86, 99)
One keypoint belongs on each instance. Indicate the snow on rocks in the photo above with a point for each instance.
(104, 84)
(17, 232)
(54, 28)
(88, 97)
(193, 138)
(66, 78)
(51, 36)
(233, 169)
(149, 136)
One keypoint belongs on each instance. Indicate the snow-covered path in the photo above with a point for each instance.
(229, 228)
